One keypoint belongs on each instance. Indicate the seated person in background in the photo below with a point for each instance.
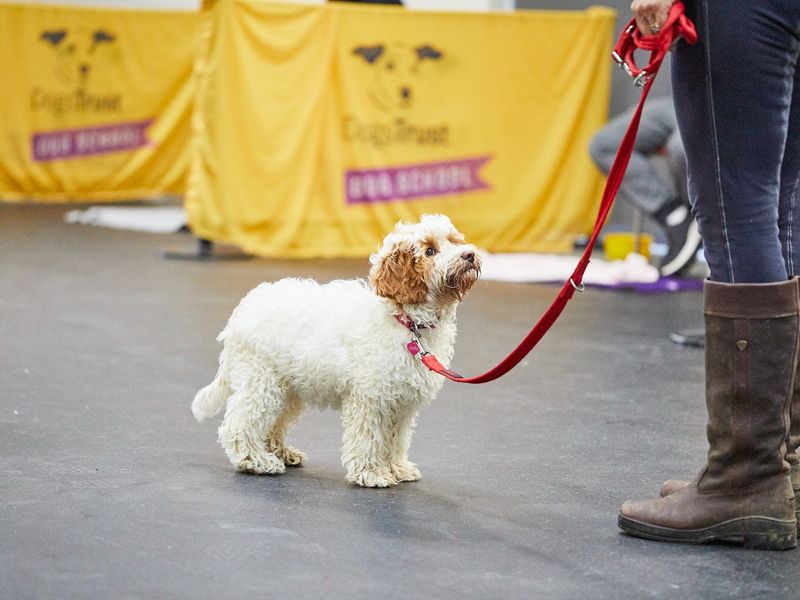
(655, 181)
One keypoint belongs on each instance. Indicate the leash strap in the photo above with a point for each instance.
(677, 26)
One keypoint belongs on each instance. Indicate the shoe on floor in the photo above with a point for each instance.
(683, 238)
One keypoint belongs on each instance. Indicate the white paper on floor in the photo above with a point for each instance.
(532, 268)
(152, 219)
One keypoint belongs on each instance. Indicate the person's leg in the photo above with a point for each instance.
(789, 231)
(732, 94)
(789, 226)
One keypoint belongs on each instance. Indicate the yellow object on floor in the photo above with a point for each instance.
(617, 246)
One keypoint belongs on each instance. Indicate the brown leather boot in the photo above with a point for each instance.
(673, 485)
(744, 493)
(792, 443)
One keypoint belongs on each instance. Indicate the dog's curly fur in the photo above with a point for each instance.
(295, 343)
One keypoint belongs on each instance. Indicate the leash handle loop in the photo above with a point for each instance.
(677, 26)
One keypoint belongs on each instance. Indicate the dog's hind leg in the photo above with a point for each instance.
(366, 442)
(402, 429)
(253, 409)
(276, 438)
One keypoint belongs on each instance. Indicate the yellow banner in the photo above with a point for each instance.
(320, 127)
(96, 104)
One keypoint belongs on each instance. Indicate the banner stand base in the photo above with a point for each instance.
(204, 251)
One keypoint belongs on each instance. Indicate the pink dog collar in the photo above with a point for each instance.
(414, 347)
(409, 324)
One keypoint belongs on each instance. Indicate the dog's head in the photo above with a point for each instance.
(426, 263)
(396, 69)
(77, 51)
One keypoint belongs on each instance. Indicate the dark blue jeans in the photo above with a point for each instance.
(737, 99)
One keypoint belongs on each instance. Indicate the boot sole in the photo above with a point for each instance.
(761, 533)
(796, 510)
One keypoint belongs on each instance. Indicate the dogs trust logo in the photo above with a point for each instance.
(79, 54)
(76, 52)
(399, 72)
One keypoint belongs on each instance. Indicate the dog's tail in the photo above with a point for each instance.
(211, 399)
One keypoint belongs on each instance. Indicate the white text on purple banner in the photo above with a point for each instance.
(74, 143)
(415, 181)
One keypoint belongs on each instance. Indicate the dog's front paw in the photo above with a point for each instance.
(291, 457)
(261, 464)
(405, 471)
(372, 478)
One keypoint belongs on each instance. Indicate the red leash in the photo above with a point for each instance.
(677, 26)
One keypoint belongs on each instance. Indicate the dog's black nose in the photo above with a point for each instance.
(405, 92)
(469, 256)
(84, 68)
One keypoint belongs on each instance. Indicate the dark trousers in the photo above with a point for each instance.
(737, 100)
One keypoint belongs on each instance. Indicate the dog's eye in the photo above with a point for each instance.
(430, 251)
(390, 66)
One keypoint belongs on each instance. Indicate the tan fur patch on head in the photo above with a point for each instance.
(430, 241)
(456, 238)
(400, 275)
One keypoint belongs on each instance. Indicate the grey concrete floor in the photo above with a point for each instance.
(110, 489)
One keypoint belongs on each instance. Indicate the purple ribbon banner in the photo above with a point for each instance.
(425, 180)
(74, 143)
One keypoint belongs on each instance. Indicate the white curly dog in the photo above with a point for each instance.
(343, 345)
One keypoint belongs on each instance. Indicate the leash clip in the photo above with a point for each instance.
(639, 80)
(621, 62)
(417, 340)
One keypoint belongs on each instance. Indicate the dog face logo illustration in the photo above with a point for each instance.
(78, 51)
(397, 71)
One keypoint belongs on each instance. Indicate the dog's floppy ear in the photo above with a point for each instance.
(100, 36)
(369, 53)
(55, 37)
(428, 52)
(399, 275)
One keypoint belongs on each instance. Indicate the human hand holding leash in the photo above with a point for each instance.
(650, 15)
